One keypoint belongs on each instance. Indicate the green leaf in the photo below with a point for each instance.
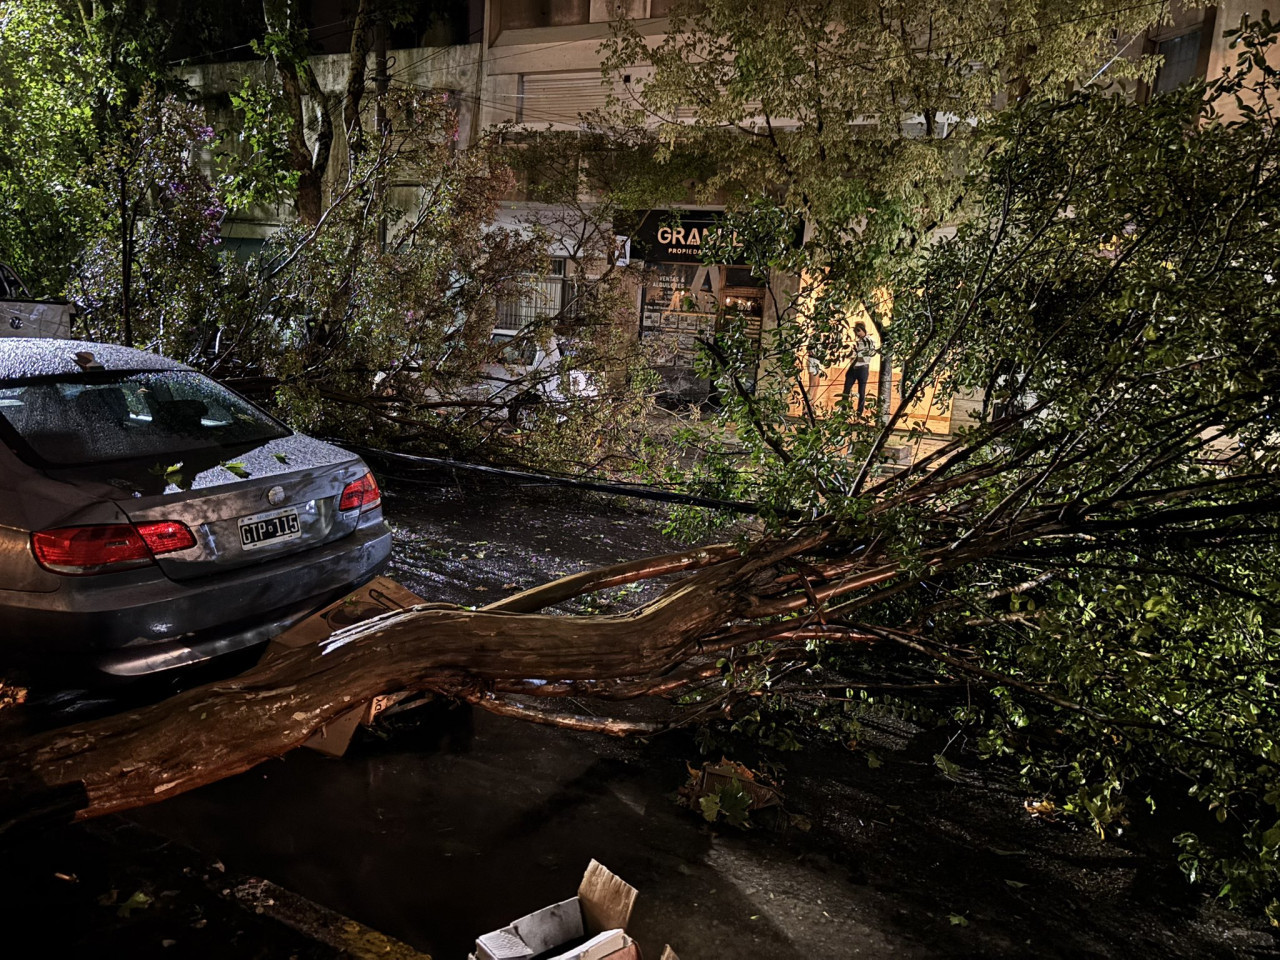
(948, 768)
(1271, 839)
(139, 901)
(735, 804)
(710, 806)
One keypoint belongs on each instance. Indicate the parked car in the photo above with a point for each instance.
(532, 377)
(153, 518)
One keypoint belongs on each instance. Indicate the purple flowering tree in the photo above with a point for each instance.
(150, 262)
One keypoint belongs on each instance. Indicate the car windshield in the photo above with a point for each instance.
(96, 418)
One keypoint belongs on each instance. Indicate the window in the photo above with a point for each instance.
(543, 297)
(1180, 56)
(561, 97)
(520, 14)
(74, 421)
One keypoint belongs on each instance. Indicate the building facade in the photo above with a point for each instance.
(536, 64)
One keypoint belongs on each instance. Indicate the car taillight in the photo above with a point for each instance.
(362, 493)
(89, 549)
(166, 536)
(104, 547)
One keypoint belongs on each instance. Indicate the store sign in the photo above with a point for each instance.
(673, 236)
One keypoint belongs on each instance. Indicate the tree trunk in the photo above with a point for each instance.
(298, 80)
(361, 41)
(216, 731)
(126, 259)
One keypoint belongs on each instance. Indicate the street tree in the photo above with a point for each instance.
(387, 287)
(374, 319)
(147, 261)
(316, 116)
(72, 75)
(104, 195)
(1087, 568)
(368, 317)
(48, 136)
(857, 118)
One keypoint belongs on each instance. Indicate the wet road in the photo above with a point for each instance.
(444, 824)
(472, 542)
(458, 823)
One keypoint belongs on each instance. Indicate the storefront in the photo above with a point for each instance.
(825, 383)
(684, 300)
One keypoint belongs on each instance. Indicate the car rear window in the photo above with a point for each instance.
(96, 418)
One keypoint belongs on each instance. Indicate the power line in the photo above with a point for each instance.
(959, 44)
(540, 48)
(571, 83)
(482, 101)
(438, 52)
(600, 485)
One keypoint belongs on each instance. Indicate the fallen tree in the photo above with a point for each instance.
(1089, 565)
(783, 592)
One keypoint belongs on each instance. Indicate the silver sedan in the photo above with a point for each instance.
(152, 518)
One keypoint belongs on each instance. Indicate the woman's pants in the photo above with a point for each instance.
(858, 372)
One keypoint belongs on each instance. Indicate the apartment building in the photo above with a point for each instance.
(536, 64)
(541, 68)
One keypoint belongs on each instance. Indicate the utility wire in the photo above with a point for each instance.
(1083, 18)
(496, 104)
(638, 491)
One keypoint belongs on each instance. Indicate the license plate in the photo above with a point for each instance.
(275, 526)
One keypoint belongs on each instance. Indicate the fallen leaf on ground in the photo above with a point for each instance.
(1041, 809)
(139, 901)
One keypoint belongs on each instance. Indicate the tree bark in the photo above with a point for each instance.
(216, 731)
(298, 80)
(361, 42)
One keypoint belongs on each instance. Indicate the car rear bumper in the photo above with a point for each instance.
(143, 623)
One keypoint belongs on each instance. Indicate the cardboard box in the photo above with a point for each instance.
(599, 913)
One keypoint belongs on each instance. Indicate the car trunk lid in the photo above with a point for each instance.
(279, 498)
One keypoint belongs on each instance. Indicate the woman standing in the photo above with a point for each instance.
(864, 348)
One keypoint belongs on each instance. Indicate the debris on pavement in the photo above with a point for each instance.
(1041, 809)
(349, 937)
(10, 695)
(590, 926)
(729, 790)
